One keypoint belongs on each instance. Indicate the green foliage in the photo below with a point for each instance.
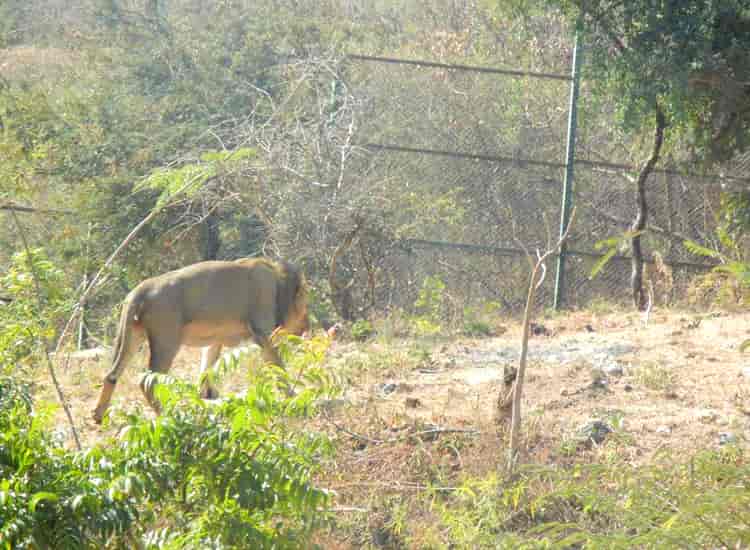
(424, 326)
(700, 250)
(190, 178)
(24, 146)
(319, 307)
(733, 264)
(24, 328)
(613, 506)
(227, 475)
(612, 246)
(685, 56)
(303, 359)
(187, 180)
(421, 212)
(731, 259)
(477, 328)
(735, 209)
(655, 376)
(477, 320)
(732, 274)
(10, 21)
(362, 330)
(50, 498)
(429, 306)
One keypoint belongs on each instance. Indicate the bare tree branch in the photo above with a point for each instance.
(518, 386)
(18, 208)
(50, 367)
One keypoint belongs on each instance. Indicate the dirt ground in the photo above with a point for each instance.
(678, 382)
(683, 380)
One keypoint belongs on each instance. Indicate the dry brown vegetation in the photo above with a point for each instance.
(29, 62)
(417, 415)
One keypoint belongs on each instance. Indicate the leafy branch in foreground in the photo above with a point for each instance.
(25, 322)
(731, 263)
(233, 473)
(191, 178)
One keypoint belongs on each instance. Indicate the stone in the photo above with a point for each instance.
(706, 415)
(593, 431)
(727, 438)
(613, 369)
(412, 402)
(388, 387)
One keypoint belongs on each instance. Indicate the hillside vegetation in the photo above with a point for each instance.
(139, 136)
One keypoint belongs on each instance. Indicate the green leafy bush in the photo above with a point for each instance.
(232, 474)
(319, 307)
(22, 325)
(700, 503)
(477, 320)
(429, 306)
(729, 281)
(362, 330)
(51, 498)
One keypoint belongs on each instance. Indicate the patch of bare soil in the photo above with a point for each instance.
(27, 62)
(679, 382)
(418, 417)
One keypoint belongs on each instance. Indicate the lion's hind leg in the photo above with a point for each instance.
(163, 351)
(209, 356)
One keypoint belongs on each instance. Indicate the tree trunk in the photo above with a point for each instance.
(370, 268)
(513, 401)
(640, 297)
(341, 294)
(211, 237)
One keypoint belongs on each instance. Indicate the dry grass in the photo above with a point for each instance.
(681, 388)
(32, 62)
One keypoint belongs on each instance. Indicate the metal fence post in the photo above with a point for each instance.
(559, 297)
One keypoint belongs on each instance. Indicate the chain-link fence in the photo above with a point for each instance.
(485, 151)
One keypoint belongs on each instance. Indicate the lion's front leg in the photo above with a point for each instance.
(270, 355)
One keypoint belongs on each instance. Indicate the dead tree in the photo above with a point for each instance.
(341, 293)
(640, 296)
(538, 269)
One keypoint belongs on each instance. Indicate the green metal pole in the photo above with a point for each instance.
(570, 155)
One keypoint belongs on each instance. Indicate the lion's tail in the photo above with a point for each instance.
(125, 339)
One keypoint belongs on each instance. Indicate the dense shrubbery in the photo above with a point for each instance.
(25, 321)
(701, 503)
(233, 474)
(696, 502)
(220, 475)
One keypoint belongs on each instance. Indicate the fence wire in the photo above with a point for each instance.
(477, 140)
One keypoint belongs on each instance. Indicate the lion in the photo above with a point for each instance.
(208, 304)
